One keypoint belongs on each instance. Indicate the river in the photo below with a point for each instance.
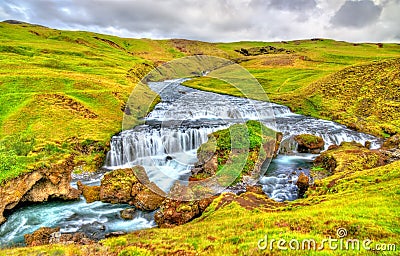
(166, 146)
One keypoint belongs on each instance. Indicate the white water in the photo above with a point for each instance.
(166, 146)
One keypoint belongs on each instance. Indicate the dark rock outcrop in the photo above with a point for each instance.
(302, 184)
(308, 143)
(40, 185)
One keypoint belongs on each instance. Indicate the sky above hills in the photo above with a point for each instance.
(217, 20)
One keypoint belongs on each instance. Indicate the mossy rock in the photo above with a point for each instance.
(116, 186)
(308, 143)
(349, 157)
(90, 193)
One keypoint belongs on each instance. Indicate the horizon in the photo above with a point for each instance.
(18, 22)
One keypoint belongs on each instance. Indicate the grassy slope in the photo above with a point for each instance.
(60, 89)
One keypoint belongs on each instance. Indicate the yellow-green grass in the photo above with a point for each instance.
(62, 86)
(365, 203)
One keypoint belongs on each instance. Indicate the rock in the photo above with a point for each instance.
(78, 238)
(41, 236)
(174, 212)
(308, 143)
(147, 200)
(256, 189)
(349, 156)
(128, 214)
(131, 186)
(116, 186)
(392, 143)
(94, 230)
(39, 185)
(334, 146)
(302, 184)
(115, 234)
(90, 193)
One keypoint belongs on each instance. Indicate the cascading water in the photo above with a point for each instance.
(166, 146)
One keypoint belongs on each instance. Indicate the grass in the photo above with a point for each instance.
(237, 150)
(64, 92)
(61, 88)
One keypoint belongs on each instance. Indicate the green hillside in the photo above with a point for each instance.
(64, 91)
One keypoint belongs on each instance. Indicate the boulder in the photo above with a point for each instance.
(308, 143)
(115, 234)
(116, 186)
(302, 184)
(90, 193)
(128, 214)
(175, 212)
(131, 186)
(41, 236)
(392, 143)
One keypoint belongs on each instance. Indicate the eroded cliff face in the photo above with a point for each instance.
(38, 186)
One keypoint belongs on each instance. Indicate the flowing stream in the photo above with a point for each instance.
(166, 146)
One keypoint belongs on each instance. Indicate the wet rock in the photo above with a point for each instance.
(115, 234)
(302, 184)
(128, 214)
(90, 193)
(94, 230)
(148, 200)
(308, 143)
(71, 238)
(256, 189)
(41, 236)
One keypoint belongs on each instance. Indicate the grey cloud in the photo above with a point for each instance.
(293, 5)
(357, 14)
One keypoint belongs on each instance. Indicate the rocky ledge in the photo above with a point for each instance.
(38, 186)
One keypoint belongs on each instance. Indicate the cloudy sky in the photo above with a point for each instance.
(217, 20)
